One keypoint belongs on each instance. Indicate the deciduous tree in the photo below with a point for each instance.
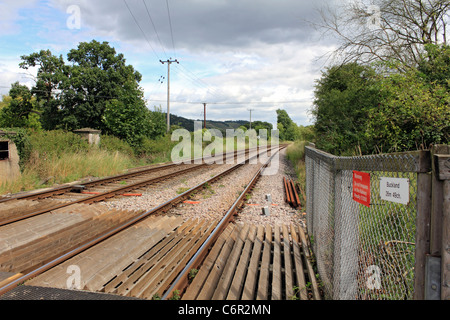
(386, 30)
(96, 89)
(344, 96)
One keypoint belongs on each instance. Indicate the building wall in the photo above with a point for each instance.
(9, 168)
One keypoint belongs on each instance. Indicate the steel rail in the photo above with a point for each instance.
(100, 197)
(112, 193)
(20, 278)
(66, 188)
(181, 282)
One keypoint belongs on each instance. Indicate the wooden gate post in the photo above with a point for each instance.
(442, 163)
(445, 266)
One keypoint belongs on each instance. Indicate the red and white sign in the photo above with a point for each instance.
(361, 188)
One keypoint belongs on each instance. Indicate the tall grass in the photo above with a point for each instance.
(58, 157)
(44, 171)
(296, 154)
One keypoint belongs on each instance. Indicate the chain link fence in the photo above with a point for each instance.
(362, 252)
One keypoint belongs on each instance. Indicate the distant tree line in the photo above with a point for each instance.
(290, 131)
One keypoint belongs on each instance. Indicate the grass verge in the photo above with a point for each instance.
(56, 157)
(296, 154)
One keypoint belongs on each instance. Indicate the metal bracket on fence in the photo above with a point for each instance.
(433, 278)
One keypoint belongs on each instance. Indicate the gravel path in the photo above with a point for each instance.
(214, 201)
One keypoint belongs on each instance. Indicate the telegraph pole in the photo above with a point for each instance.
(169, 62)
(204, 123)
(251, 117)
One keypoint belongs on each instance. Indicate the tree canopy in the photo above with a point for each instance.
(19, 108)
(358, 110)
(343, 97)
(386, 30)
(290, 131)
(96, 88)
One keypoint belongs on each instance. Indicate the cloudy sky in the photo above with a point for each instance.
(235, 55)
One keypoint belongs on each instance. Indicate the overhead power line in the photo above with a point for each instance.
(189, 75)
(213, 90)
(183, 71)
(235, 103)
(171, 29)
(262, 102)
(140, 28)
(154, 27)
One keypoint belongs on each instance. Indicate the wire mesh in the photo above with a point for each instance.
(362, 253)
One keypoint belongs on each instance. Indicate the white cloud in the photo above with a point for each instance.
(9, 15)
(230, 51)
(264, 73)
(10, 73)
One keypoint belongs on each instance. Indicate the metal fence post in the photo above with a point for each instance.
(437, 285)
(445, 266)
(310, 173)
(345, 286)
(382, 251)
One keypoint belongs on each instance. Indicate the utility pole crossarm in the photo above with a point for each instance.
(169, 62)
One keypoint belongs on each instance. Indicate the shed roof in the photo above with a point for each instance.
(87, 130)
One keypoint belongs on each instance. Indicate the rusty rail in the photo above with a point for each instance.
(97, 197)
(291, 193)
(67, 188)
(181, 282)
(101, 196)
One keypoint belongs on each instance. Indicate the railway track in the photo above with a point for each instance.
(25, 206)
(117, 179)
(20, 209)
(147, 254)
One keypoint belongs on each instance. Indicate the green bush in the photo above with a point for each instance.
(295, 153)
(112, 143)
(158, 150)
(58, 142)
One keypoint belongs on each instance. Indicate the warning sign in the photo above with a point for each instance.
(361, 188)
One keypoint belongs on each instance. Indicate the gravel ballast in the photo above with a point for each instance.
(215, 200)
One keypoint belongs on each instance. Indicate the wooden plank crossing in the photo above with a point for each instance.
(257, 263)
(114, 258)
